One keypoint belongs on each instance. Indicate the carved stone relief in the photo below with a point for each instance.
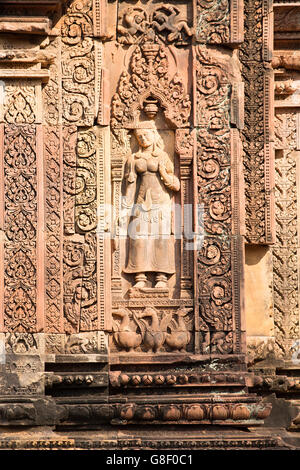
(162, 22)
(285, 251)
(20, 222)
(109, 127)
(257, 133)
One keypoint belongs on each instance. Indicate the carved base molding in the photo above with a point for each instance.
(170, 441)
(226, 410)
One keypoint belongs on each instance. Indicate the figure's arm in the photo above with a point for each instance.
(130, 177)
(166, 171)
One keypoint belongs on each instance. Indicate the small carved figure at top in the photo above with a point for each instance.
(134, 22)
(166, 19)
(163, 23)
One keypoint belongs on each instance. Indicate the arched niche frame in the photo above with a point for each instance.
(151, 85)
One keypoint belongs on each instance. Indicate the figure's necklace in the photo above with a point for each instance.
(146, 154)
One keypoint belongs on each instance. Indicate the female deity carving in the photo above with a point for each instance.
(150, 182)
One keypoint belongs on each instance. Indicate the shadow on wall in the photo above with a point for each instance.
(255, 254)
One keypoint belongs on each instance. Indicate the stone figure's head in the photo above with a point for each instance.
(147, 135)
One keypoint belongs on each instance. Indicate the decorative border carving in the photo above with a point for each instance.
(54, 230)
(285, 251)
(257, 133)
(149, 77)
(20, 225)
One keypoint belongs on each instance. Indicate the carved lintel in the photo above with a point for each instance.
(288, 60)
(165, 23)
(26, 56)
(30, 5)
(41, 74)
(25, 25)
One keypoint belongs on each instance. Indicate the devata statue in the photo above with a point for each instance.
(150, 181)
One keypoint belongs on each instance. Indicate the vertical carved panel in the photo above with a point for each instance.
(120, 146)
(104, 235)
(54, 233)
(185, 147)
(73, 274)
(20, 225)
(219, 21)
(257, 133)
(213, 21)
(85, 222)
(69, 181)
(219, 259)
(285, 251)
(52, 89)
(20, 102)
(78, 64)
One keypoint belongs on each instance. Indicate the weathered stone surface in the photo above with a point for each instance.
(258, 292)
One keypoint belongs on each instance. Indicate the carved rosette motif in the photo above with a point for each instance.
(285, 251)
(20, 225)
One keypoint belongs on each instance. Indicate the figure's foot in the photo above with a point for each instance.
(141, 281)
(161, 281)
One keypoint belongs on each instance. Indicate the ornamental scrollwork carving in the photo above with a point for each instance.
(257, 146)
(73, 272)
(78, 22)
(78, 64)
(20, 107)
(213, 21)
(213, 165)
(20, 224)
(285, 250)
(53, 235)
(86, 210)
(148, 81)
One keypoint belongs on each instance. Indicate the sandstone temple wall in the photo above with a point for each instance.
(182, 118)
